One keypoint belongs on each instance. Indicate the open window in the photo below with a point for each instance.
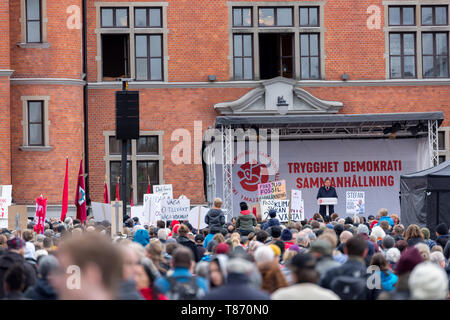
(276, 54)
(115, 57)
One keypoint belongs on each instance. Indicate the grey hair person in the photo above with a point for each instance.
(47, 265)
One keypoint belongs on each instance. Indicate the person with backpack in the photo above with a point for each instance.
(349, 281)
(181, 284)
(246, 221)
(215, 217)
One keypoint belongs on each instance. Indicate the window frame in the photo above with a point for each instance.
(149, 57)
(275, 8)
(243, 56)
(114, 22)
(435, 55)
(402, 55)
(433, 14)
(33, 20)
(401, 16)
(309, 54)
(147, 13)
(242, 17)
(41, 123)
(309, 17)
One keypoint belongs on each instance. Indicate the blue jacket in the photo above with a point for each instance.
(237, 287)
(388, 280)
(183, 273)
(208, 238)
(270, 223)
(388, 219)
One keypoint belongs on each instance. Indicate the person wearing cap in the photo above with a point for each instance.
(305, 277)
(273, 221)
(15, 255)
(322, 251)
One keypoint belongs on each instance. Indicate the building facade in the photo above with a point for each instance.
(186, 57)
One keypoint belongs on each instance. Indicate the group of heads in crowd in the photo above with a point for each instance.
(246, 258)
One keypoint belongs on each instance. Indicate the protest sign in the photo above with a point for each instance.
(281, 206)
(196, 217)
(152, 207)
(140, 213)
(175, 209)
(164, 190)
(355, 202)
(101, 211)
(297, 206)
(116, 218)
(272, 190)
(4, 204)
(17, 218)
(6, 191)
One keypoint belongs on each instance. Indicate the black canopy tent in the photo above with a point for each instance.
(425, 197)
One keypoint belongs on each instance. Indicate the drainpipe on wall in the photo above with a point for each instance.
(85, 104)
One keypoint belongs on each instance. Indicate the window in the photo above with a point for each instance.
(242, 17)
(147, 18)
(35, 123)
(243, 56)
(114, 17)
(115, 56)
(33, 21)
(402, 55)
(441, 159)
(275, 17)
(402, 16)
(149, 57)
(309, 56)
(441, 140)
(434, 15)
(144, 163)
(435, 54)
(309, 16)
(276, 53)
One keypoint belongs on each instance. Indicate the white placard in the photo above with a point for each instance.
(6, 191)
(175, 209)
(164, 190)
(281, 206)
(197, 217)
(297, 206)
(5, 202)
(355, 202)
(152, 207)
(101, 211)
(138, 212)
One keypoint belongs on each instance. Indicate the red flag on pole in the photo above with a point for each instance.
(131, 197)
(80, 196)
(106, 195)
(65, 197)
(39, 218)
(117, 190)
(149, 188)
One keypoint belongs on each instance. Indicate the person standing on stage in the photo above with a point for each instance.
(326, 191)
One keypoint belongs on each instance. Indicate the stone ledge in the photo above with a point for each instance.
(36, 148)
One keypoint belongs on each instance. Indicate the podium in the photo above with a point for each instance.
(327, 202)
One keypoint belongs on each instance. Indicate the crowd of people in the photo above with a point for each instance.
(322, 258)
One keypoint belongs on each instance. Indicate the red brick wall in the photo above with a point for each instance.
(5, 137)
(36, 172)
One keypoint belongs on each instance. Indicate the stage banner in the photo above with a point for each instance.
(373, 166)
(354, 202)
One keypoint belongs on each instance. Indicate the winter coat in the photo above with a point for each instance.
(201, 251)
(9, 258)
(246, 221)
(42, 290)
(215, 218)
(388, 219)
(128, 291)
(326, 263)
(237, 287)
(388, 280)
(191, 245)
(270, 223)
(442, 240)
(413, 241)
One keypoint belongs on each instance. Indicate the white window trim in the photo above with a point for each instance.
(46, 122)
(417, 30)
(445, 152)
(295, 29)
(23, 26)
(132, 31)
(134, 158)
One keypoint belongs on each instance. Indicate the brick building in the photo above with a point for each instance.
(187, 58)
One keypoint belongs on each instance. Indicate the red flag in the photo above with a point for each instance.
(149, 188)
(39, 218)
(106, 195)
(117, 191)
(65, 197)
(80, 196)
(131, 197)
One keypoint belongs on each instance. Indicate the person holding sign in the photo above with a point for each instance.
(326, 191)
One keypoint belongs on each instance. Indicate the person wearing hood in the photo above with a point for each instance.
(217, 274)
(215, 217)
(273, 221)
(42, 289)
(142, 237)
(246, 221)
(15, 255)
(182, 239)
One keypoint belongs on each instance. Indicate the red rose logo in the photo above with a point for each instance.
(252, 174)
